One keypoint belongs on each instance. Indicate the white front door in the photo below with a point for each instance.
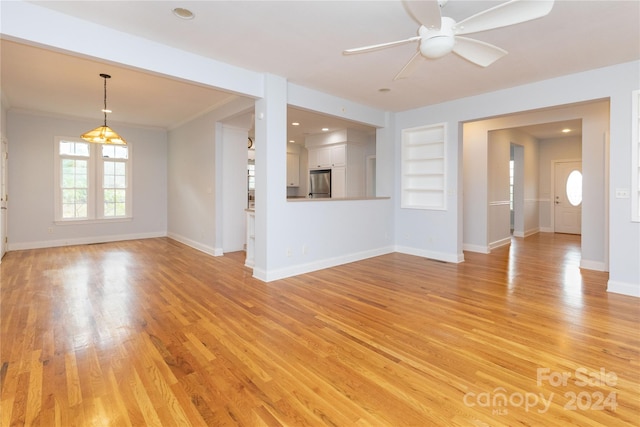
(568, 197)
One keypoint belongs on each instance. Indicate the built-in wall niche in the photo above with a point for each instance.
(423, 167)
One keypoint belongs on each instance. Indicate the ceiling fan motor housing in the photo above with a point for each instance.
(436, 43)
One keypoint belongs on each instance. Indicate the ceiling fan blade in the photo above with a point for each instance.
(379, 46)
(480, 53)
(509, 13)
(409, 67)
(426, 12)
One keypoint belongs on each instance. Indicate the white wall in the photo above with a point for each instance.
(595, 121)
(191, 184)
(614, 83)
(234, 193)
(498, 216)
(499, 146)
(300, 236)
(196, 177)
(551, 150)
(31, 180)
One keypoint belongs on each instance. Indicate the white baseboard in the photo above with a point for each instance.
(295, 270)
(499, 243)
(89, 240)
(547, 230)
(593, 265)
(630, 289)
(476, 248)
(196, 245)
(527, 233)
(439, 256)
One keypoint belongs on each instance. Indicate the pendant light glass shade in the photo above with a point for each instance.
(104, 134)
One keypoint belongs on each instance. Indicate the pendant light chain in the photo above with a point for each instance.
(105, 77)
(105, 99)
(104, 134)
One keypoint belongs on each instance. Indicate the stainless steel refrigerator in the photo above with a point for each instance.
(320, 183)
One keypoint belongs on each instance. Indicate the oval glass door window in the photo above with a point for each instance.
(574, 188)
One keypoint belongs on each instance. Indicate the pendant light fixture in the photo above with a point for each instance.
(104, 134)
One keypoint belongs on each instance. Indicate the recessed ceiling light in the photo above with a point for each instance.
(293, 141)
(183, 13)
(567, 130)
(295, 124)
(325, 129)
(104, 110)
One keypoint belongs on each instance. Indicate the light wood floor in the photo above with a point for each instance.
(152, 332)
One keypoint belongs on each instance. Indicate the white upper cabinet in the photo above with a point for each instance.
(328, 157)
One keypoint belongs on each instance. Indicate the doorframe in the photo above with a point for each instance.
(552, 205)
(4, 188)
(518, 190)
(607, 201)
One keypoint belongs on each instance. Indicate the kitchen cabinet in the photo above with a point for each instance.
(338, 155)
(328, 157)
(338, 183)
(344, 152)
(293, 170)
(347, 163)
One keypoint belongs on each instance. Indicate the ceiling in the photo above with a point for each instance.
(303, 41)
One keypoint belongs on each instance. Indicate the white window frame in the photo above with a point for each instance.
(95, 195)
(635, 156)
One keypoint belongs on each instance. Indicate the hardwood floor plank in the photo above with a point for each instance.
(152, 332)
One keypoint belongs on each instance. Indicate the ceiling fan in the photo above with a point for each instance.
(440, 35)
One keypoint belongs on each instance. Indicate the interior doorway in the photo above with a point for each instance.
(567, 209)
(516, 190)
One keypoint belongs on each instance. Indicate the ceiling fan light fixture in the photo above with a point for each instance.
(437, 47)
(104, 134)
(436, 43)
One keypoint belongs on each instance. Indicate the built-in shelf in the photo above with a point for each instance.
(424, 167)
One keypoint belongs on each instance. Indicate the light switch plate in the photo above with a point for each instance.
(622, 193)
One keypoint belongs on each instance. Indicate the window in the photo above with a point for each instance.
(573, 188)
(92, 181)
(114, 180)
